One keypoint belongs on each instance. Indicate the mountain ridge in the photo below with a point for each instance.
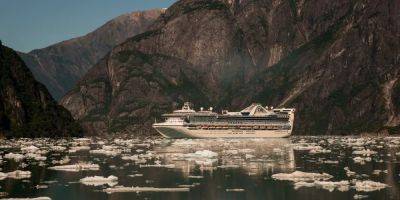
(61, 65)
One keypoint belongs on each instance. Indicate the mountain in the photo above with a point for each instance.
(61, 65)
(26, 107)
(336, 62)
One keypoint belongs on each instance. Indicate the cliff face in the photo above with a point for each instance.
(26, 107)
(336, 62)
(60, 66)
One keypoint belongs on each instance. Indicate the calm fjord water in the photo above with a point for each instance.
(202, 169)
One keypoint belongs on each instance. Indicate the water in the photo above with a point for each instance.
(205, 169)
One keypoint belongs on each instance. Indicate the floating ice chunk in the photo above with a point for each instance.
(100, 180)
(58, 148)
(15, 156)
(41, 186)
(78, 148)
(3, 176)
(235, 190)
(82, 140)
(187, 186)
(359, 160)
(204, 154)
(113, 152)
(76, 167)
(331, 161)
(37, 157)
(327, 185)
(247, 150)
(349, 172)
(135, 175)
(366, 152)
(307, 147)
(158, 166)
(319, 151)
(18, 174)
(206, 162)
(196, 177)
(231, 151)
(228, 166)
(302, 176)
(301, 184)
(64, 161)
(132, 158)
(369, 186)
(30, 149)
(377, 172)
(360, 196)
(144, 189)
(249, 156)
(342, 186)
(36, 198)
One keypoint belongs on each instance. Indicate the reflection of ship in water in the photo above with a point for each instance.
(255, 156)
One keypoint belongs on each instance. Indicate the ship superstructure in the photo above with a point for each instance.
(253, 121)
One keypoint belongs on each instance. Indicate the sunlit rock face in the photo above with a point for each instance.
(61, 65)
(26, 107)
(335, 62)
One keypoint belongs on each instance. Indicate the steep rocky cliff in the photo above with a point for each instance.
(335, 61)
(61, 65)
(26, 107)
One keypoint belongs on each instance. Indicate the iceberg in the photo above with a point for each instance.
(14, 156)
(369, 186)
(18, 174)
(301, 176)
(76, 167)
(144, 189)
(99, 180)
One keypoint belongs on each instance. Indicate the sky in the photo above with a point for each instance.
(31, 24)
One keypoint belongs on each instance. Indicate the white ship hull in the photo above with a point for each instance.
(176, 131)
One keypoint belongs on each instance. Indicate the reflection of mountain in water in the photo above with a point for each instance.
(255, 156)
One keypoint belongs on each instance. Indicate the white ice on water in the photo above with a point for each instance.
(36, 198)
(144, 189)
(76, 167)
(369, 186)
(301, 176)
(18, 174)
(14, 156)
(99, 180)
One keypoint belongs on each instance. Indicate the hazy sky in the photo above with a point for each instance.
(32, 24)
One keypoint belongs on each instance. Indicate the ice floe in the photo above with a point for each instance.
(76, 167)
(35, 198)
(369, 186)
(18, 174)
(100, 180)
(365, 152)
(327, 185)
(235, 190)
(302, 176)
(14, 156)
(144, 189)
(360, 196)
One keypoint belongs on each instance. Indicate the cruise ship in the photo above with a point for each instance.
(254, 121)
